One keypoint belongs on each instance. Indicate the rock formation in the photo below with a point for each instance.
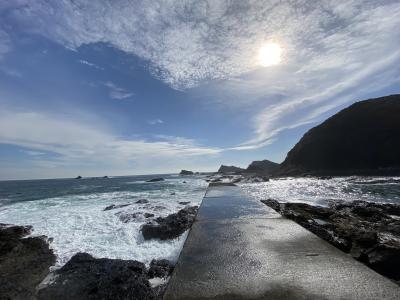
(186, 172)
(361, 139)
(155, 179)
(229, 169)
(171, 226)
(24, 262)
(264, 167)
(84, 277)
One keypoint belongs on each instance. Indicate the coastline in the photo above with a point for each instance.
(151, 280)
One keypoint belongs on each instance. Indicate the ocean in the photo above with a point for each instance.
(71, 211)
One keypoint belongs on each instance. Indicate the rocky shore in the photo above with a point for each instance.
(24, 262)
(25, 266)
(370, 232)
(85, 277)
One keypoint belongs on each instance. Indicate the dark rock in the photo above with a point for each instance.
(273, 204)
(222, 184)
(148, 215)
(265, 167)
(142, 201)
(126, 217)
(114, 206)
(370, 232)
(186, 172)
(171, 226)
(78, 177)
(105, 176)
(155, 179)
(229, 169)
(173, 194)
(160, 268)
(85, 277)
(159, 291)
(184, 202)
(24, 262)
(361, 139)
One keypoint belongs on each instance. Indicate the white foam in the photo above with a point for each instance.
(79, 224)
(319, 191)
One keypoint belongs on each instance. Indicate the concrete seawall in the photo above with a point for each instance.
(238, 248)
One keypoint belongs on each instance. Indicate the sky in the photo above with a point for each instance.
(118, 87)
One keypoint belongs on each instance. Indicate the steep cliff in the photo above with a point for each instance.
(361, 139)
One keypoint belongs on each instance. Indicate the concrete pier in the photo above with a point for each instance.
(238, 248)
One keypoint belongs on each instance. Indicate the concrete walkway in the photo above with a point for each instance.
(238, 248)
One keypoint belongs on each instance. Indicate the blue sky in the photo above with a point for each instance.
(118, 87)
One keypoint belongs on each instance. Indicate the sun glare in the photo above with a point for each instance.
(270, 54)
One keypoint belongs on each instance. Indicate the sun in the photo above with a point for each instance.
(270, 54)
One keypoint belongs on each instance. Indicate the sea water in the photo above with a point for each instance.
(317, 191)
(71, 212)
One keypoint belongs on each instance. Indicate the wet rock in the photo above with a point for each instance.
(160, 268)
(184, 202)
(273, 204)
(186, 172)
(78, 177)
(114, 206)
(148, 215)
(126, 217)
(171, 226)
(370, 232)
(85, 277)
(142, 201)
(155, 179)
(24, 262)
(173, 194)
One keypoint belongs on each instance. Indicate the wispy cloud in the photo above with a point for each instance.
(85, 62)
(117, 92)
(5, 43)
(155, 121)
(11, 72)
(334, 52)
(33, 153)
(74, 142)
(191, 41)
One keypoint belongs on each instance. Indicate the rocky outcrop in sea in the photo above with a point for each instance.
(171, 226)
(186, 172)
